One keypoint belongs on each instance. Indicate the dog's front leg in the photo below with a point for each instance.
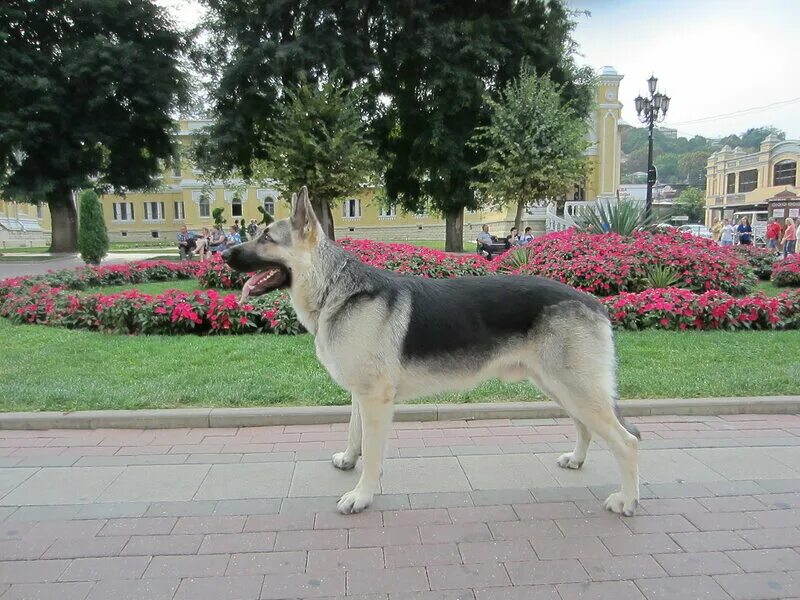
(376, 418)
(347, 460)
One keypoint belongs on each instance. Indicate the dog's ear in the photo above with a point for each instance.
(303, 218)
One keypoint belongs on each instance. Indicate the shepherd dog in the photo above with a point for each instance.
(386, 338)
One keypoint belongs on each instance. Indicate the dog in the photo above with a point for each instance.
(389, 338)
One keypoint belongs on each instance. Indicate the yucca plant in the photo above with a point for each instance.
(514, 259)
(661, 276)
(622, 217)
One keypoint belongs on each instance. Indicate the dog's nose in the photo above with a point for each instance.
(226, 255)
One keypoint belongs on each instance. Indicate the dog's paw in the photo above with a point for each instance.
(565, 461)
(617, 503)
(344, 461)
(354, 501)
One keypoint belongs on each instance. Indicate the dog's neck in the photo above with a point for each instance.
(313, 282)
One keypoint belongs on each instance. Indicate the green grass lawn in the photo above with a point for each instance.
(770, 289)
(435, 244)
(155, 287)
(54, 369)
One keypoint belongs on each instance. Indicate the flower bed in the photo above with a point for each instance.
(760, 260)
(171, 312)
(608, 264)
(680, 309)
(786, 272)
(403, 258)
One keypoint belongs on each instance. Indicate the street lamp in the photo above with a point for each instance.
(651, 110)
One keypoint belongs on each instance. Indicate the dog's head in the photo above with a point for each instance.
(285, 247)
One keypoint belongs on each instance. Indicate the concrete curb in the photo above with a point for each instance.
(313, 415)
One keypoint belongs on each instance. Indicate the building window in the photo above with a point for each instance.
(236, 207)
(123, 211)
(730, 187)
(176, 166)
(154, 234)
(748, 180)
(39, 210)
(180, 214)
(351, 209)
(388, 212)
(785, 173)
(153, 211)
(267, 201)
(203, 204)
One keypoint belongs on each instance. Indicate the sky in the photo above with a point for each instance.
(712, 57)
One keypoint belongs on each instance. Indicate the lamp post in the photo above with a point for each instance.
(651, 110)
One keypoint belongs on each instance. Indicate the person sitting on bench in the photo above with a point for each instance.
(488, 244)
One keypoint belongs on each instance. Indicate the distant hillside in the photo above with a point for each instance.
(680, 160)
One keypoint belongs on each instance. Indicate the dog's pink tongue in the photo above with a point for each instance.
(246, 289)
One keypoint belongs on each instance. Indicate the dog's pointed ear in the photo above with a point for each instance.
(303, 218)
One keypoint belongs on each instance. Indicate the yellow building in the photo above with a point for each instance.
(738, 182)
(23, 224)
(180, 199)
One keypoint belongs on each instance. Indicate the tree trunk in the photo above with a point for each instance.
(64, 220)
(518, 216)
(322, 208)
(454, 230)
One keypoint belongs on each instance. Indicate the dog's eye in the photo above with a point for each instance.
(267, 237)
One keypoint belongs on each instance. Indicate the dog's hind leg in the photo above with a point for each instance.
(347, 460)
(376, 419)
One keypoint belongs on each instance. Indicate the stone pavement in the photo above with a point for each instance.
(471, 510)
(67, 261)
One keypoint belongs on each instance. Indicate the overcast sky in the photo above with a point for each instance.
(713, 57)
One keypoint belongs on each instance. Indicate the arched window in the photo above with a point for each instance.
(785, 173)
(205, 207)
(236, 207)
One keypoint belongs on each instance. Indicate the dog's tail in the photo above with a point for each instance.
(632, 429)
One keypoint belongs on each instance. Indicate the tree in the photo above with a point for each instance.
(89, 91)
(253, 50)
(93, 238)
(753, 137)
(437, 59)
(319, 140)
(534, 145)
(692, 202)
(692, 166)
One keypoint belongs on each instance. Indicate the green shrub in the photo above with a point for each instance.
(92, 235)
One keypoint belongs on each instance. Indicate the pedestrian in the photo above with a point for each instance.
(726, 238)
(716, 230)
(789, 237)
(773, 234)
(745, 232)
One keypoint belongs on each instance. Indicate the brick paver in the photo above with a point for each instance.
(249, 514)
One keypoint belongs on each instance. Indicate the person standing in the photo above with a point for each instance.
(789, 237)
(773, 234)
(745, 232)
(726, 237)
(716, 230)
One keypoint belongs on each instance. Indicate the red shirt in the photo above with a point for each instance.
(773, 231)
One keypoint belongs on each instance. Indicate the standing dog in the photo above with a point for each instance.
(387, 338)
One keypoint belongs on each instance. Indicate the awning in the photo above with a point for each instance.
(22, 225)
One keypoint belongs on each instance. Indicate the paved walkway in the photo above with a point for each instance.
(471, 510)
(65, 261)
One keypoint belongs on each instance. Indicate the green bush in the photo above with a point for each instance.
(623, 217)
(92, 235)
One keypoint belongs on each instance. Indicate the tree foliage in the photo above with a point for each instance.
(692, 202)
(93, 235)
(319, 140)
(438, 59)
(90, 88)
(533, 146)
(424, 65)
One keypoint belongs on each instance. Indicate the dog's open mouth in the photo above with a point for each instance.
(271, 278)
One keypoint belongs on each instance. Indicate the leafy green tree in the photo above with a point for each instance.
(753, 137)
(533, 146)
(692, 166)
(692, 202)
(90, 88)
(320, 141)
(253, 49)
(667, 166)
(437, 59)
(93, 236)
